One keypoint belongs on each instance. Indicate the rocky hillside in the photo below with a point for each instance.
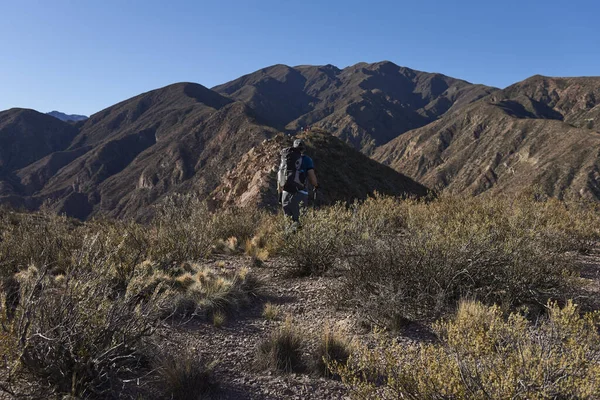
(344, 174)
(123, 159)
(365, 105)
(25, 137)
(542, 131)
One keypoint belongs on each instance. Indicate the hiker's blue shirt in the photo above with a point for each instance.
(307, 165)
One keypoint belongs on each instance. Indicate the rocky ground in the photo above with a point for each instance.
(233, 346)
(306, 300)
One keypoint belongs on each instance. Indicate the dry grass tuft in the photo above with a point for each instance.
(282, 351)
(271, 311)
(219, 319)
(332, 349)
(184, 376)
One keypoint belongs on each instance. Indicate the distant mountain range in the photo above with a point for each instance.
(433, 130)
(67, 117)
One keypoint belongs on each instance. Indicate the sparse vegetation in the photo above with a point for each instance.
(483, 355)
(82, 302)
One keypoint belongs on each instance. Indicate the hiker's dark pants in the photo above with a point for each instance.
(291, 204)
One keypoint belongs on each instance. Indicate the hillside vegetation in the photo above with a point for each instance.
(92, 309)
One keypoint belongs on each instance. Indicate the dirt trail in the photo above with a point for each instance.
(234, 344)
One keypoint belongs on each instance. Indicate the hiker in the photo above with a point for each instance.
(294, 171)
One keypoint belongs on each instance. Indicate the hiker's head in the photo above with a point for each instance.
(299, 144)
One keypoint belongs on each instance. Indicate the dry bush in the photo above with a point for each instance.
(76, 335)
(332, 348)
(183, 230)
(319, 242)
(36, 239)
(496, 251)
(481, 355)
(241, 223)
(269, 236)
(377, 216)
(572, 225)
(116, 248)
(183, 376)
(282, 351)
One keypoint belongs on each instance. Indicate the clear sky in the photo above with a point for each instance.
(80, 56)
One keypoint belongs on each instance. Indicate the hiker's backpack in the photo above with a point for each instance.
(290, 176)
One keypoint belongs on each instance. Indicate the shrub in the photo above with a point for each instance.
(282, 351)
(453, 248)
(574, 225)
(36, 239)
(115, 248)
(241, 223)
(482, 355)
(183, 230)
(77, 336)
(314, 248)
(378, 216)
(183, 376)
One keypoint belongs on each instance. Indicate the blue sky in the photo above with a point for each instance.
(80, 56)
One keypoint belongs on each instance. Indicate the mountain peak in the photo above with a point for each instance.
(67, 117)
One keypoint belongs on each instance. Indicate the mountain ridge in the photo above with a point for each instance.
(364, 104)
(436, 131)
(534, 133)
